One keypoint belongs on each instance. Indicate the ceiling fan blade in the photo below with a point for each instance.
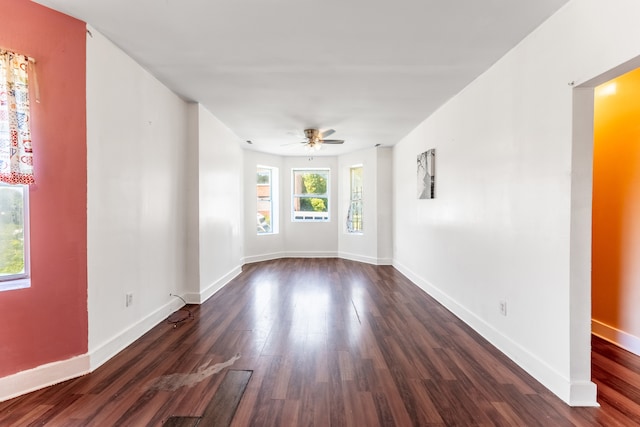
(333, 141)
(326, 133)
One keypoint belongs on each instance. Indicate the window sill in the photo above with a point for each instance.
(12, 284)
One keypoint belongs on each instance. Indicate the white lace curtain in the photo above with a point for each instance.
(16, 152)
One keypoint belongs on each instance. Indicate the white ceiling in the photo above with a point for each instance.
(370, 69)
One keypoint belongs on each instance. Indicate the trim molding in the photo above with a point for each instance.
(108, 349)
(616, 336)
(218, 284)
(303, 254)
(43, 376)
(574, 394)
(278, 255)
(329, 254)
(264, 257)
(56, 372)
(365, 259)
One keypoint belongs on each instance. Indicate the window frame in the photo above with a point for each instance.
(20, 280)
(273, 199)
(311, 217)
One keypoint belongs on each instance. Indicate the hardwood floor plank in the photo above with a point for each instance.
(249, 403)
(331, 342)
(508, 416)
(223, 406)
(385, 417)
(182, 422)
(23, 418)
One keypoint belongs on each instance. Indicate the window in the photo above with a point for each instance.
(266, 185)
(354, 215)
(16, 168)
(14, 236)
(310, 195)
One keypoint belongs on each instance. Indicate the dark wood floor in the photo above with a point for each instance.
(329, 343)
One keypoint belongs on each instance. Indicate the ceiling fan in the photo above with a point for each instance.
(315, 138)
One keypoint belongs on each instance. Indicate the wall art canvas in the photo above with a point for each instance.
(426, 174)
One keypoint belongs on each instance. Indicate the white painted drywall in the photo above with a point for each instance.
(304, 239)
(384, 206)
(136, 139)
(165, 208)
(221, 206)
(264, 246)
(500, 227)
(359, 246)
(192, 212)
(310, 239)
(373, 245)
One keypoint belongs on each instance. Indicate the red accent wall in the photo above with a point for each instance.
(48, 321)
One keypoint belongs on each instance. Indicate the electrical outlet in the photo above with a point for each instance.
(129, 300)
(503, 308)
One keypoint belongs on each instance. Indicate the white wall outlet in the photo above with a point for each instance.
(129, 300)
(503, 308)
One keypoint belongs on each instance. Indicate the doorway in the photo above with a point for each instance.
(580, 311)
(581, 227)
(615, 278)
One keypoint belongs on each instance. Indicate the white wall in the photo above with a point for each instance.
(501, 225)
(165, 208)
(384, 207)
(136, 134)
(374, 244)
(510, 221)
(264, 246)
(310, 239)
(220, 204)
(300, 239)
(192, 190)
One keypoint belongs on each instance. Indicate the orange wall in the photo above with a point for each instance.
(48, 322)
(616, 204)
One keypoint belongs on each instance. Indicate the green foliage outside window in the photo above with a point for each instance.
(11, 231)
(314, 184)
(264, 177)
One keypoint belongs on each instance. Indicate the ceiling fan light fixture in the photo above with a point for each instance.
(315, 139)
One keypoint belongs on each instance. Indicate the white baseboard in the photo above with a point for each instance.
(365, 259)
(294, 254)
(582, 394)
(328, 254)
(616, 336)
(264, 257)
(574, 394)
(218, 284)
(43, 376)
(56, 372)
(105, 351)
(303, 254)
(192, 297)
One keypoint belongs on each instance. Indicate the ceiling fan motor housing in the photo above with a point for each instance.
(311, 134)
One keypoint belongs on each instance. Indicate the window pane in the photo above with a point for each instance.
(264, 202)
(312, 204)
(12, 252)
(310, 198)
